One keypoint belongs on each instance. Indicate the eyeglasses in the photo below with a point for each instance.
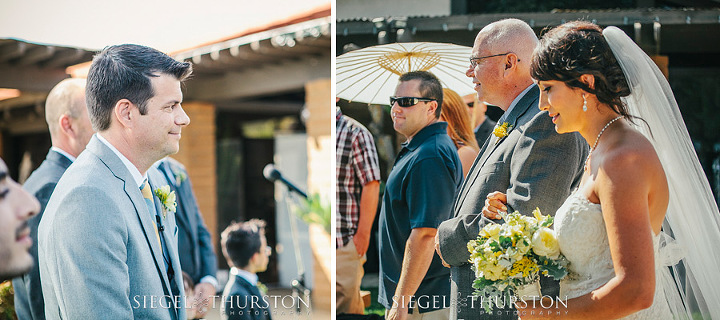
(474, 61)
(407, 102)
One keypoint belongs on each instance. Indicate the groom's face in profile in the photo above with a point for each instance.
(16, 207)
(160, 129)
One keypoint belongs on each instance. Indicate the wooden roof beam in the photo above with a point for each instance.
(269, 79)
(12, 50)
(35, 55)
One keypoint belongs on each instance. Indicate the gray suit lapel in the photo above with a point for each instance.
(492, 143)
(118, 169)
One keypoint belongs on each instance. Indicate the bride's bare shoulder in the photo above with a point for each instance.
(630, 154)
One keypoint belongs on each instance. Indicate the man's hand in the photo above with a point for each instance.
(437, 249)
(397, 313)
(201, 301)
(362, 242)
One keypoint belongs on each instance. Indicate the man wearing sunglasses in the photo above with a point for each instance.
(418, 196)
(530, 162)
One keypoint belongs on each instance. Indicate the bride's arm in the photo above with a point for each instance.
(623, 183)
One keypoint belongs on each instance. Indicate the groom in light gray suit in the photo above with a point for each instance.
(531, 163)
(104, 249)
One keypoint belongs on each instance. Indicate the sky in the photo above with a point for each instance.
(167, 25)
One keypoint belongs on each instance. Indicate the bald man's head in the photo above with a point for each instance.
(67, 116)
(500, 61)
(508, 35)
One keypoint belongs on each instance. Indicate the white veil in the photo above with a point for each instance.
(692, 285)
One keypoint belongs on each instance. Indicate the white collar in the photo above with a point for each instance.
(249, 276)
(517, 99)
(137, 176)
(62, 152)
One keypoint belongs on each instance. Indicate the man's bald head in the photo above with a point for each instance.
(66, 98)
(508, 35)
(67, 116)
(500, 61)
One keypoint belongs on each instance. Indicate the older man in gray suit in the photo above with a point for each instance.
(70, 130)
(104, 250)
(530, 162)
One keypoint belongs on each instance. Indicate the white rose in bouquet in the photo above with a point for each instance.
(545, 243)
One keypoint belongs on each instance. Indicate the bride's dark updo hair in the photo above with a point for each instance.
(575, 48)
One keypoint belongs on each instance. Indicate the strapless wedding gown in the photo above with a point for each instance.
(583, 240)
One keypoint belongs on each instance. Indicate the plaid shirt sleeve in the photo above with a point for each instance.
(365, 158)
(357, 164)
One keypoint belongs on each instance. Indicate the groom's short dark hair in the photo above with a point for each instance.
(241, 240)
(123, 72)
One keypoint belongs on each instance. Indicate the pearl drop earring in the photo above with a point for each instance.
(584, 103)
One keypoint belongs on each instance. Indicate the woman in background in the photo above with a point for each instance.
(459, 129)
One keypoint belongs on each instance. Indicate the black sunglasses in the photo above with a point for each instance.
(407, 102)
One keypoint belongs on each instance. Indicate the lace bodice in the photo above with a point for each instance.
(583, 239)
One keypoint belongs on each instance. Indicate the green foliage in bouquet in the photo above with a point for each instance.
(315, 210)
(508, 256)
(7, 306)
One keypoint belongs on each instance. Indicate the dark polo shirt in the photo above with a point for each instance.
(419, 193)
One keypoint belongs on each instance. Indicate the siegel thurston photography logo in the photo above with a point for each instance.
(270, 304)
(548, 305)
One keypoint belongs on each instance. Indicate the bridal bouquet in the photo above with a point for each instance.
(511, 255)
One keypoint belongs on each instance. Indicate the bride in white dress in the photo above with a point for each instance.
(642, 181)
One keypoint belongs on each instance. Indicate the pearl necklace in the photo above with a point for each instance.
(598, 140)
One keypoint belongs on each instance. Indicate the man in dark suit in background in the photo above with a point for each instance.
(70, 130)
(195, 246)
(245, 248)
(482, 124)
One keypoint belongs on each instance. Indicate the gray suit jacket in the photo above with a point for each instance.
(195, 245)
(41, 183)
(98, 253)
(534, 165)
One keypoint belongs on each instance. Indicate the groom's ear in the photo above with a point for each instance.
(123, 112)
(589, 80)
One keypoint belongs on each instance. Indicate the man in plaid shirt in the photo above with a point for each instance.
(358, 183)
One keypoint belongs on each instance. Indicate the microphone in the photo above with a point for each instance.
(272, 175)
(160, 227)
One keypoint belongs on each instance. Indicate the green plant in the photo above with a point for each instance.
(315, 210)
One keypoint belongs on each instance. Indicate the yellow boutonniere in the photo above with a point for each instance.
(179, 177)
(501, 131)
(167, 199)
(263, 289)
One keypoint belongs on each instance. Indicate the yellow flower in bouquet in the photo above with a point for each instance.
(508, 256)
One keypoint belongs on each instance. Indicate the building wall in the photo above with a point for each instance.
(321, 147)
(197, 153)
(321, 176)
(348, 9)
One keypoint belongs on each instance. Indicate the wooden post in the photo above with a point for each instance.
(197, 153)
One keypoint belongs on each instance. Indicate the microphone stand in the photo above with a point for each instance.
(298, 284)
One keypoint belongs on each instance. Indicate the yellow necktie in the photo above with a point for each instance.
(147, 194)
